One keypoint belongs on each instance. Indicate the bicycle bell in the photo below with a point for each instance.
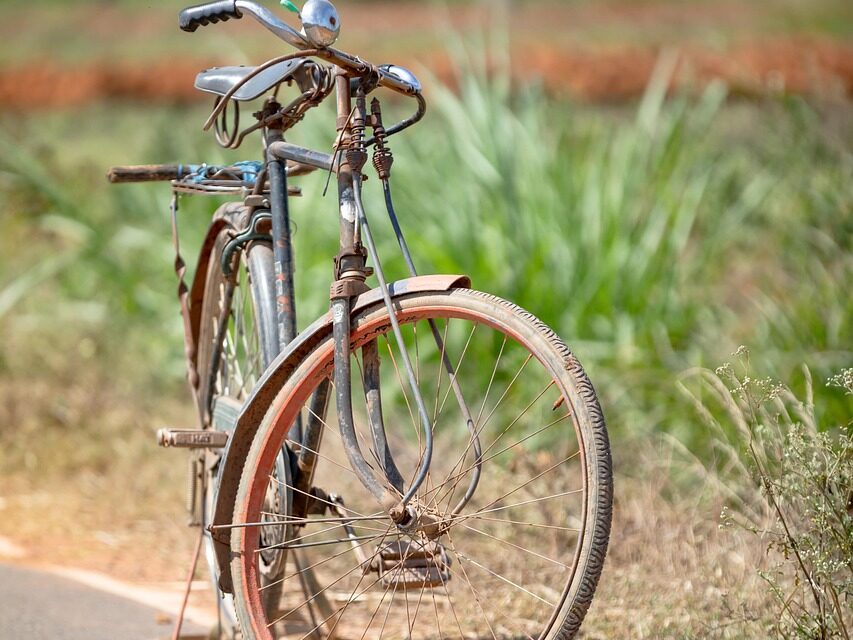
(320, 23)
(401, 73)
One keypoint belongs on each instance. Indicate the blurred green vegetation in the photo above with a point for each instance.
(653, 238)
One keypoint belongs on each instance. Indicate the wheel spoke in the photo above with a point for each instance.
(310, 495)
(318, 543)
(502, 578)
(377, 609)
(317, 564)
(322, 457)
(284, 520)
(515, 546)
(497, 567)
(415, 423)
(385, 619)
(455, 373)
(517, 504)
(479, 430)
(525, 524)
(471, 587)
(440, 369)
(292, 543)
(507, 390)
(456, 477)
(314, 597)
(491, 381)
(352, 596)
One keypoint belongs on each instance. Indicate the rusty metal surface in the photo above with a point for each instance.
(145, 173)
(343, 400)
(412, 564)
(282, 247)
(350, 76)
(196, 296)
(272, 381)
(227, 97)
(315, 84)
(398, 511)
(192, 438)
(301, 156)
(312, 439)
(373, 403)
(349, 288)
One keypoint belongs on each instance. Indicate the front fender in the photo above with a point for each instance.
(267, 388)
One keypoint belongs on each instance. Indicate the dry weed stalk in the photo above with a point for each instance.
(791, 478)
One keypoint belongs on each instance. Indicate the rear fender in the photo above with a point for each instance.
(221, 219)
(267, 388)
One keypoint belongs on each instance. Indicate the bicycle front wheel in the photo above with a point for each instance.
(521, 495)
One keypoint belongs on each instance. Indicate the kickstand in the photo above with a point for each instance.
(180, 621)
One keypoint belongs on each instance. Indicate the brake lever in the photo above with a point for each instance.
(274, 24)
(403, 124)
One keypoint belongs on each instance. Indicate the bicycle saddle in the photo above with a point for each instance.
(220, 80)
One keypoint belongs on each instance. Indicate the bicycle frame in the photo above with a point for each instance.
(351, 273)
(265, 386)
(353, 80)
(348, 293)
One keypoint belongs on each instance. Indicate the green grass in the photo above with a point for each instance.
(650, 242)
(652, 239)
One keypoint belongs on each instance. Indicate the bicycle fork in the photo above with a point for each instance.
(351, 273)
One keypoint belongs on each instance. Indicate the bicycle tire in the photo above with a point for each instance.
(254, 291)
(563, 613)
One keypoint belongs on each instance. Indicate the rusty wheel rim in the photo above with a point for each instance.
(550, 600)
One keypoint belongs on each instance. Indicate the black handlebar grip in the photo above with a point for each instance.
(192, 18)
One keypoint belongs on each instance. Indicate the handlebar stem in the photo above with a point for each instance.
(350, 63)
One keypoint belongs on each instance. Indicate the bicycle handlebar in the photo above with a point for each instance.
(194, 17)
(148, 173)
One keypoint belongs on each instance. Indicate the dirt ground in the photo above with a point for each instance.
(127, 521)
(704, 577)
(671, 547)
(823, 68)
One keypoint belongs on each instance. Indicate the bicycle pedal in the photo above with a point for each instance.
(410, 564)
(192, 438)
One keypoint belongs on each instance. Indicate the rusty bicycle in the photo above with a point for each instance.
(425, 460)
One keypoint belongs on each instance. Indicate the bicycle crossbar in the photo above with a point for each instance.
(288, 151)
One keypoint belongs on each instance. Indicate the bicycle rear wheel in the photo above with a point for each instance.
(238, 338)
(520, 560)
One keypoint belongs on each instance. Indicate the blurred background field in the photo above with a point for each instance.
(660, 182)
